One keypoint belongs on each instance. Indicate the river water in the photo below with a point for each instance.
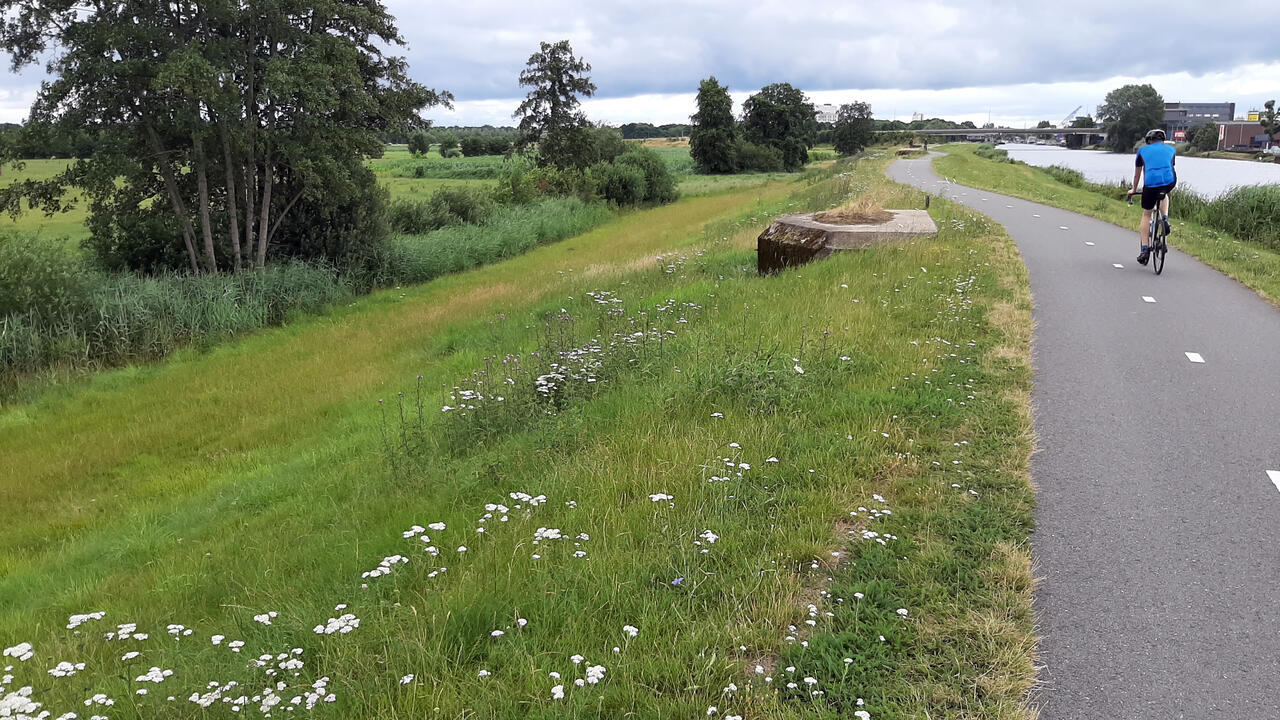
(1207, 176)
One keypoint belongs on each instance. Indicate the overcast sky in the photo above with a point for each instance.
(1018, 61)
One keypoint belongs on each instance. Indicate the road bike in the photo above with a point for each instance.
(1159, 230)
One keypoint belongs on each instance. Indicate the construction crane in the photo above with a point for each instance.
(1070, 116)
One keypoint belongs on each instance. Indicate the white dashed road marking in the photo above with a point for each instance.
(1034, 215)
(1148, 298)
(1275, 477)
(1063, 227)
(1117, 265)
(1195, 357)
(1086, 242)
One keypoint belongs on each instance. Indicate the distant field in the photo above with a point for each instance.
(665, 142)
(397, 170)
(65, 225)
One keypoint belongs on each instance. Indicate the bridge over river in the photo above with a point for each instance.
(1074, 136)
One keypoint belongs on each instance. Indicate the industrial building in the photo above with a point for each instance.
(1182, 117)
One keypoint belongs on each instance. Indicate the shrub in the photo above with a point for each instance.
(43, 276)
(659, 185)
(760, 158)
(619, 183)
(497, 146)
(338, 228)
(419, 143)
(470, 206)
(607, 144)
(474, 146)
(517, 185)
(448, 206)
(991, 152)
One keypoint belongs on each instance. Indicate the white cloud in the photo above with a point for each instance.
(1009, 105)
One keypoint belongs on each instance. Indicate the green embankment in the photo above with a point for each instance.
(1251, 263)
(845, 447)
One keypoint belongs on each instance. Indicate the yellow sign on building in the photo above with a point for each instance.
(1254, 116)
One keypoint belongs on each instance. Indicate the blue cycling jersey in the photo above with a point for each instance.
(1157, 158)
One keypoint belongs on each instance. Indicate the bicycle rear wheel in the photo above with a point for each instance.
(1158, 249)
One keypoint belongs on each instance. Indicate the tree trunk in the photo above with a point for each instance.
(268, 179)
(233, 219)
(202, 188)
(171, 187)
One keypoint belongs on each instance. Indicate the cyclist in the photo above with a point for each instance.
(1156, 159)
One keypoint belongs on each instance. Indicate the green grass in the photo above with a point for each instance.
(63, 227)
(70, 226)
(1251, 263)
(254, 479)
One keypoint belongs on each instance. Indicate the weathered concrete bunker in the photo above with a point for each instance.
(798, 239)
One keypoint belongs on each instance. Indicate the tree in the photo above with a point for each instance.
(474, 146)
(782, 117)
(1084, 121)
(549, 115)
(232, 116)
(1044, 124)
(1205, 137)
(852, 130)
(713, 137)
(419, 143)
(1268, 120)
(1128, 113)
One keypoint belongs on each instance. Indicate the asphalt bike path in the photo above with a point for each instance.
(1157, 472)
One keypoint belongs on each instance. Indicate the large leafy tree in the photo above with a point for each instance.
(550, 117)
(781, 117)
(220, 121)
(853, 128)
(1128, 113)
(713, 138)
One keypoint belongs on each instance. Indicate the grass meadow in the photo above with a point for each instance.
(1255, 264)
(664, 487)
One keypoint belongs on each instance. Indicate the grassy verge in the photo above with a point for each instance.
(1251, 263)
(114, 319)
(793, 497)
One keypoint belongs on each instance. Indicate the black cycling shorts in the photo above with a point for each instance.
(1150, 194)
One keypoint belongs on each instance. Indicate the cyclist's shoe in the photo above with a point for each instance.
(1144, 256)
(1164, 223)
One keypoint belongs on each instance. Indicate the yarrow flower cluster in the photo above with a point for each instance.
(76, 621)
(22, 651)
(63, 669)
(341, 625)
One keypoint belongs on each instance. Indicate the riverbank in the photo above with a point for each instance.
(1251, 263)
(786, 497)
(1209, 177)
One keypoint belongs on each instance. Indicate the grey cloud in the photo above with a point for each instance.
(477, 49)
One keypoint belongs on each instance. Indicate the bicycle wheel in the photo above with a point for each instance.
(1158, 250)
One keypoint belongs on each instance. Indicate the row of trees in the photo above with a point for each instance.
(777, 129)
